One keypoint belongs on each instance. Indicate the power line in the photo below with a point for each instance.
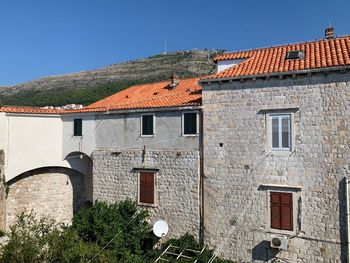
(134, 217)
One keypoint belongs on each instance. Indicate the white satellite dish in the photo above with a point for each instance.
(160, 228)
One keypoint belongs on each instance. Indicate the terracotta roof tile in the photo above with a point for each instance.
(29, 110)
(318, 54)
(155, 95)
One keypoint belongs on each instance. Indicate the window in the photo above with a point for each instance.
(295, 54)
(281, 207)
(147, 125)
(280, 132)
(78, 127)
(146, 187)
(189, 123)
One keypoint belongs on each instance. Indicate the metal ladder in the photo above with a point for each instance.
(177, 254)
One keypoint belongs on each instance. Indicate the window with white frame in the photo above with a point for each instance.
(189, 123)
(280, 131)
(147, 124)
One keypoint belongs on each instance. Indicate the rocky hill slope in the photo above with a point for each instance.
(88, 86)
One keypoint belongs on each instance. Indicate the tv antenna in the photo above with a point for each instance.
(165, 49)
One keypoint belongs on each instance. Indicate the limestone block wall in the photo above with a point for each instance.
(54, 192)
(115, 178)
(2, 191)
(241, 169)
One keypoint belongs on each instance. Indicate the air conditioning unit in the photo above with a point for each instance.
(279, 242)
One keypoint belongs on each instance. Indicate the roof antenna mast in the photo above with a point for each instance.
(165, 49)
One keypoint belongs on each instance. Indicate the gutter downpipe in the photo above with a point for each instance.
(201, 179)
(347, 219)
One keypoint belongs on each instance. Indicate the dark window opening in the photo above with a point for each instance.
(296, 54)
(190, 123)
(147, 124)
(281, 210)
(78, 127)
(146, 187)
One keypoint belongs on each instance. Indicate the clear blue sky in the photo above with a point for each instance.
(49, 37)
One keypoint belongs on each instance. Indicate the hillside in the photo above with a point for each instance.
(88, 86)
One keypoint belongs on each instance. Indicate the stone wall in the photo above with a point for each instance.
(241, 169)
(54, 192)
(2, 192)
(115, 178)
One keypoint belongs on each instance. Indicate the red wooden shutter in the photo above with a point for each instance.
(287, 211)
(281, 210)
(275, 199)
(146, 187)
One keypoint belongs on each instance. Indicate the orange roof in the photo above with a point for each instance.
(265, 61)
(29, 110)
(155, 95)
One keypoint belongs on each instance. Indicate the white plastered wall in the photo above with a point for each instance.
(31, 141)
(225, 64)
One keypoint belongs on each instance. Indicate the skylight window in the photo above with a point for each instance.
(295, 54)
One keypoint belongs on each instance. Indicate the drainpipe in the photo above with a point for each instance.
(347, 219)
(201, 179)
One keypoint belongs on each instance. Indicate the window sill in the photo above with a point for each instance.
(277, 152)
(147, 205)
(281, 232)
(147, 136)
(281, 149)
(190, 135)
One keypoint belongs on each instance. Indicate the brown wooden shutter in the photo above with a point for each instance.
(275, 199)
(281, 210)
(287, 211)
(146, 187)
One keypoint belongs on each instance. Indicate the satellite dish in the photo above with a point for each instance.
(160, 228)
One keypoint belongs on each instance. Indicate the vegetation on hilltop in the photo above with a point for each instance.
(87, 87)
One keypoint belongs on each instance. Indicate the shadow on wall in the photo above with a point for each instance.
(263, 252)
(56, 192)
(342, 219)
(82, 163)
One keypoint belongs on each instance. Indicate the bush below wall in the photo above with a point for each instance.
(116, 232)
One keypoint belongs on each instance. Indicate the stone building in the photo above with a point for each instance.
(148, 149)
(43, 166)
(259, 160)
(276, 152)
(142, 143)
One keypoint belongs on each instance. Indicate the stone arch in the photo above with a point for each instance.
(82, 163)
(56, 192)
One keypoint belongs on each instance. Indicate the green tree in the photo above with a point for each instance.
(121, 228)
(33, 240)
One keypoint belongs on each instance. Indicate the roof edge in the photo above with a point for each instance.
(277, 46)
(297, 72)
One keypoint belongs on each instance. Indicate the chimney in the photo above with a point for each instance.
(329, 33)
(174, 81)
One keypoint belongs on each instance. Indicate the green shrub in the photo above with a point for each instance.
(106, 233)
(124, 223)
(33, 240)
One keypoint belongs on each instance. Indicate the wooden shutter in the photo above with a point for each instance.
(146, 187)
(287, 211)
(275, 210)
(281, 210)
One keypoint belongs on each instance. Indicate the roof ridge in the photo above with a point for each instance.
(159, 97)
(157, 82)
(282, 45)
